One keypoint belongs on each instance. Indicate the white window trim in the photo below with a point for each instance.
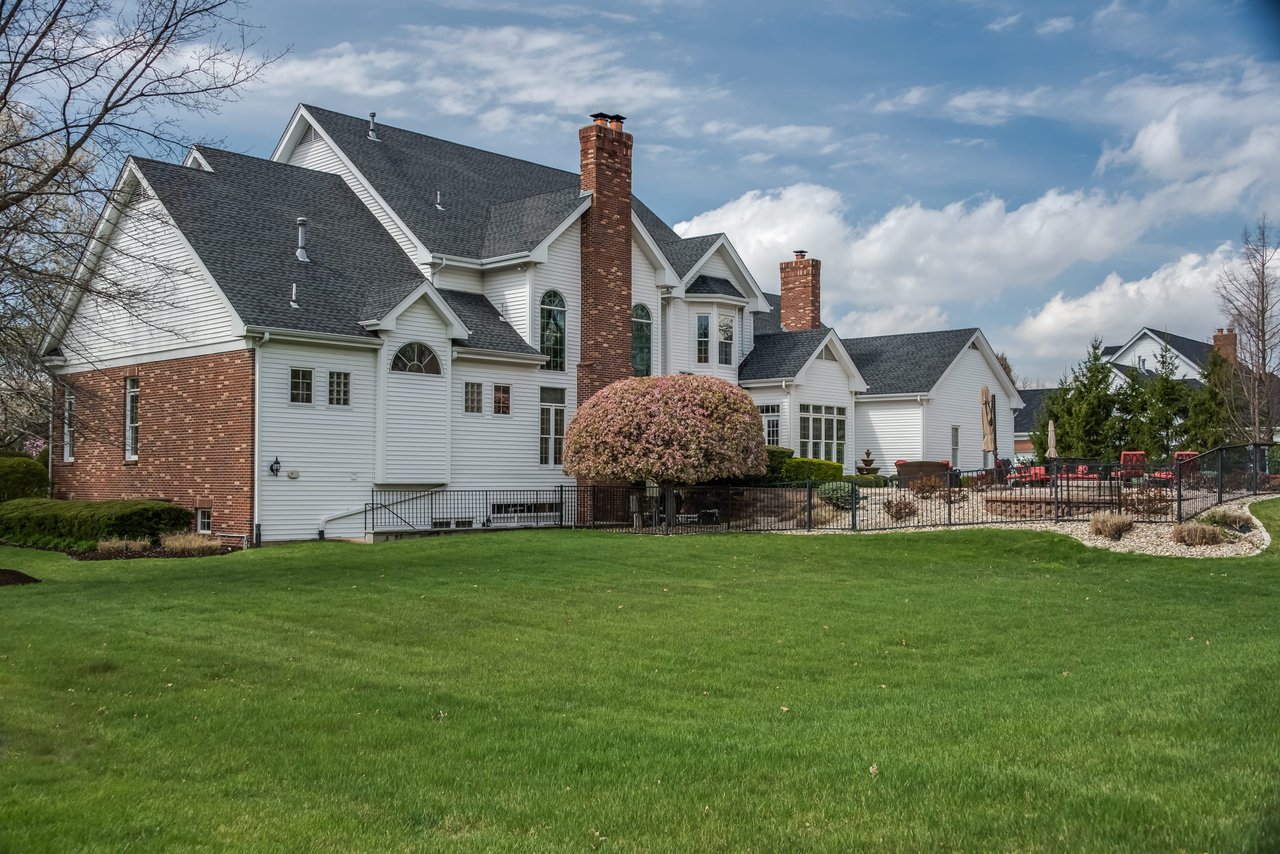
(132, 395)
(697, 338)
(200, 528)
(68, 427)
(563, 408)
(732, 342)
(493, 401)
(289, 386)
(480, 410)
(328, 390)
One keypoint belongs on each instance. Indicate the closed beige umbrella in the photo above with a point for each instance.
(1052, 451)
(988, 420)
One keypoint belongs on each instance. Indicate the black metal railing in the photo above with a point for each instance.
(1058, 491)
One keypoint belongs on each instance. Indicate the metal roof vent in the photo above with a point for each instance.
(301, 254)
(293, 296)
(373, 128)
(439, 206)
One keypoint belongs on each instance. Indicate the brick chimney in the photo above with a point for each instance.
(801, 293)
(606, 255)
(1224, 341)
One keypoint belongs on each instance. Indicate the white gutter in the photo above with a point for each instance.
(257, 435)
(324, 337)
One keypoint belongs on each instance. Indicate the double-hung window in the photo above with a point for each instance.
(704, 339)
(551, 427)
(726, 339)
(132, 417)
(301, 382)
(641, 341)
(501, 399)
(769, 414)
(204, 520)
(552, 320)
(955, 447)
(68, 427)
(822, 432)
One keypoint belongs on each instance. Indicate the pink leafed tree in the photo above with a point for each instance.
(671, 430)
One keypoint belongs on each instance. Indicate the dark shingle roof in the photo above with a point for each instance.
(781, 355)
(1024, 420)
(768, 324)
(1111, 350)
(240, 219)
(1196, 351)
(493, 204)
(488, 330)
(713, 285)
(906, 364)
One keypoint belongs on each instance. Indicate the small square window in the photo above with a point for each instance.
(502, 400)
(204, 520)
(300, 381)
(472, 397)
(339, 388)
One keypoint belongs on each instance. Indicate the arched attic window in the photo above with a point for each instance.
(553, 331)
(415, 358)
(641, 341)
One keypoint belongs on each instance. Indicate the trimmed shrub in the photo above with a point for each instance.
(190, 545)
(23, 519)
(868, 481)
(839, 494)
(899, 509)
(1197, 534)
(1231, 518)
(926, 487)
(799, 469)
(22, 477)
(1113, 526)
(118, 546)
(778, 457)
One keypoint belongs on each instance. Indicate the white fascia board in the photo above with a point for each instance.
(756, 301)
(856, 382)
(294, 134)
(64, 366)
(195, 160)
(298, 336)
(539, 253)
(714, 298)
(479, 355)
(988, 355)
(454, 327)
(666, 277)
(871, 397)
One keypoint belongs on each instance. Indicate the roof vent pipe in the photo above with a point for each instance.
(373, 127)
(302, 239)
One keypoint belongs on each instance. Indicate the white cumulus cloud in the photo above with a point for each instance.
(1054, 26)
(999, 25)
(893, 320)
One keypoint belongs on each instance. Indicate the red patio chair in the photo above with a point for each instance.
(1133, 465)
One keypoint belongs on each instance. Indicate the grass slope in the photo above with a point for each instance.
(551, 690)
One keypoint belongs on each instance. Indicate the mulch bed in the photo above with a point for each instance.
(12, 576)
(152, 552)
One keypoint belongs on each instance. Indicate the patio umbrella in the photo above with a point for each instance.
(1052, 451)
(988, 420)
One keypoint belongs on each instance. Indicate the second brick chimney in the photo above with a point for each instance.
(606, 255)
(1224, 341)
(801, 293)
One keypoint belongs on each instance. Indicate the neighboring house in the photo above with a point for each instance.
(1141, 353)
(374, 309)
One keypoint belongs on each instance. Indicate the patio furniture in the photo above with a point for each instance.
(1029, 476)
(1133, 465)
(910, 470)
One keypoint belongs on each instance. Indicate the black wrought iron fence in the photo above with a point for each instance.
(1058, 491)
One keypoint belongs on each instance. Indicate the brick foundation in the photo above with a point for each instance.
(195, 437)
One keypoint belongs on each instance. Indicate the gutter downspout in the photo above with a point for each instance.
(924, 426)
(48, 463)
(255, 534)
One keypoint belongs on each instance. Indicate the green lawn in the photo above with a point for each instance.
(569, 690)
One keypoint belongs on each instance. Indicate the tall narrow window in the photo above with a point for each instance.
(301, 381)
(501, 399)
(131, 417)
(641, 341)
(415, 358)
(726, 339)
(769, 414)
(551, 427)
(704, 339)
(472, 398)
(339, 388)
(204, 520)
(955, 447)
(553, 331)
(68, 427)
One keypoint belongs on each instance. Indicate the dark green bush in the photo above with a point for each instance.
(868, 481)
(839, 494)
(778, 457)
(22, 520)
(22, 477)
(799, 469)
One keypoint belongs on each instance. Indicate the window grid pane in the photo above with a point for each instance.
(131, 417)
(641, 341)
(416, 358)
(472, 397)
(299, 385)
(68, 427)
(726, 340)
(552, 317)
(704, 339)
(502, 400)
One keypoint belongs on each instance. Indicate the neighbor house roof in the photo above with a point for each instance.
(1194, 351)
(1025, 419)
(906, 364)
(489, 205)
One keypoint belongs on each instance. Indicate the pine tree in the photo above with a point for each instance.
(1086, 425)
(1209, 406)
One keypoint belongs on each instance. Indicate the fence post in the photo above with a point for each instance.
(560, 488)
(1053, 487)
(728, 508)
(809, 507)
(948, 498)
(1221, 472)
(1177, 480)
(853, 501)
(1257, 467)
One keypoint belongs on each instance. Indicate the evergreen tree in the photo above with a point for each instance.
(1086, 424)
(1159, 426)
(1209, 406)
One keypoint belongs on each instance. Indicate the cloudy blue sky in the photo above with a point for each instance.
(1047, 171)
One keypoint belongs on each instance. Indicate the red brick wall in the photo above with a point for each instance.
(606, 259)
(195, 437)
(801, 293)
